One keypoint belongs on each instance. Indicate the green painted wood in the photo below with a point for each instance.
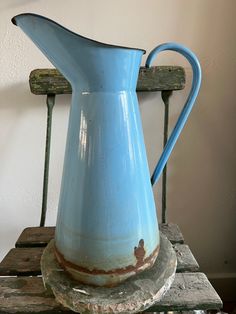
(190, 291)
(157, 78)
(50, 105)
(26, 261)
(160, 78)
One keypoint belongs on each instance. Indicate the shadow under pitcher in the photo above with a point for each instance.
(107, 228)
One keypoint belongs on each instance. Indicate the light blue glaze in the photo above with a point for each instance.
(196, 82)
(106, 202)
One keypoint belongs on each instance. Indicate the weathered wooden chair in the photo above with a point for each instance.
(21, 288)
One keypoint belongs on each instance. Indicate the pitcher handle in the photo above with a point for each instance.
(196, 82)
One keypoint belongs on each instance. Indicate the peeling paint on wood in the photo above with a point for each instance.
(157, 78)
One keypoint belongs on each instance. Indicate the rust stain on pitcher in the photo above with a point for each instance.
(139, 253)
(141, 264)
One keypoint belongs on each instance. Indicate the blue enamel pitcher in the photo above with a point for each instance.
(107, 228)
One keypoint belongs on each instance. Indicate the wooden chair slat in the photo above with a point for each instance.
(185, 259)
(189, 291)
(22, 262)
(26, 261)
(157, 78)
(172, 232)
(35, 237)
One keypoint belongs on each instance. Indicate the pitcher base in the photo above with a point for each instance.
(104, 278)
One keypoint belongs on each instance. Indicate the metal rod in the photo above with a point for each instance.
(165, 95)
(50, 105)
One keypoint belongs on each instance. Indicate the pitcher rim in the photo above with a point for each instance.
(76, 34)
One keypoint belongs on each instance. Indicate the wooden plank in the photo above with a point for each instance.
(157, 78)
(35, 237)
(22, 262)
(190, 291)
(160, 78)
(40, 236)
(185, 259)
(26, 261)
(172, 232)
(27, 295)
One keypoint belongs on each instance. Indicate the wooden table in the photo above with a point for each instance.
(25, 293)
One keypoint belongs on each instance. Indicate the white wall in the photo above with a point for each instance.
(201, 180)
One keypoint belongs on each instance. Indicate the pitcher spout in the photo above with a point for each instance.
(83, 61)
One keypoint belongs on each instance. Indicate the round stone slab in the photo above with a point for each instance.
(136, 294)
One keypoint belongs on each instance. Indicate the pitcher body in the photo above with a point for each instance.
(107, 227)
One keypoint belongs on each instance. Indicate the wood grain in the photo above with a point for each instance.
(26, 261)
(157, 78)
(22, 262)
(172, 232)
(189, 291)
(185, 259)
(35, 237)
